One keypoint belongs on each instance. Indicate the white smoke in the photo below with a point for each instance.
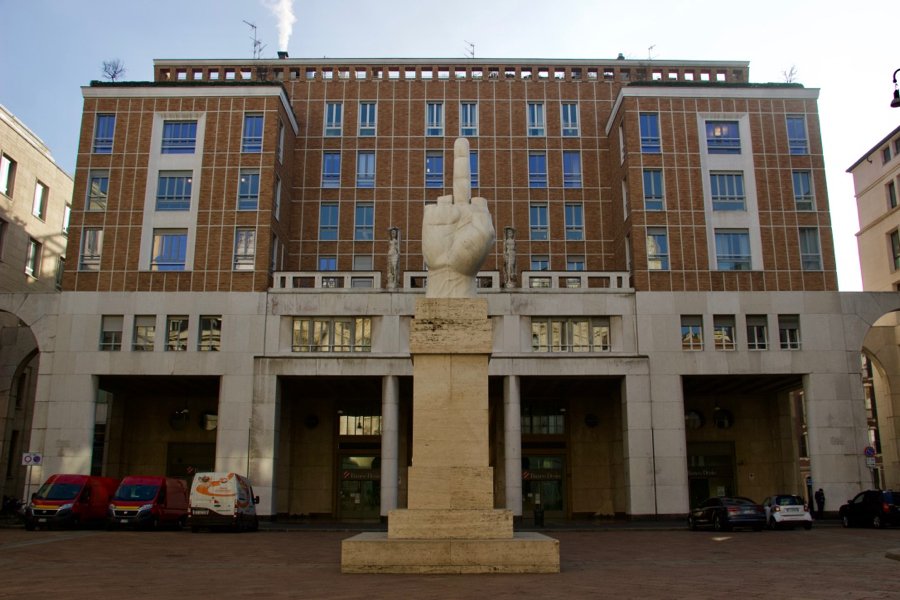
(284, 12)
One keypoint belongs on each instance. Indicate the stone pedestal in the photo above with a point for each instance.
(450, 525)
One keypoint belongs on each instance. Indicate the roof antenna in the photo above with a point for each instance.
(257, 45)
(470, 49)
(650, 52)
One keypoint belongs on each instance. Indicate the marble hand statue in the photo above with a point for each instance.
(457, 234)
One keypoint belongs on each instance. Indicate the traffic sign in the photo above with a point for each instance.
(869, 451)
(870, 462)
(30, 459)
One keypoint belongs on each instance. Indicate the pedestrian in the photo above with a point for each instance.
(820, 504)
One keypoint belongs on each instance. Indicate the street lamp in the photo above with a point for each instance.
(895, 103)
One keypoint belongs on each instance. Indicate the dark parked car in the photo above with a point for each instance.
(724, 513)
(877, 508)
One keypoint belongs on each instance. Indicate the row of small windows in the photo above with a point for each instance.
(476, 73)
(725, 332)
(143, 338)
(889, 152)
(434, 169)
(180, 136)
(41, 197)
(733, 249)
(722, 137)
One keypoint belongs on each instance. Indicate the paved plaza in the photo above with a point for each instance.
(634, 562)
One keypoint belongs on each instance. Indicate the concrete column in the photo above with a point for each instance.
(512, 436)
(264, 423)
(836, 425)
(669, 445)
(390, 441)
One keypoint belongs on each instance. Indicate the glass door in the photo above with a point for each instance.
(359, 490)
(543, 485)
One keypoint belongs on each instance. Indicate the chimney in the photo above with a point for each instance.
(282, 54)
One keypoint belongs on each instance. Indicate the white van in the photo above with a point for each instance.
(223, 500)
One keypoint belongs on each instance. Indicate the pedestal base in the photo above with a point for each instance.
(525, 552)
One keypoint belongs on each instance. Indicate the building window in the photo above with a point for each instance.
(723, 137)
(468, 119)
(473, 169)
(574, 213)
(33, 258)
(650, 142)
(723, 332)
(176, 333)
(67, 217)
(39, 206)
(253, 133)
(91, 246)
(810, 254)
(536, 119)
(104, 129)
(895, 249)
(244, 249)
(891, 190)
(539, 227)
(434, 119)
(60, 270)
(569, 115)
(4, 230)
(367, 115)
(796, 133)
(364, 228)
(803, 194)
(144, 333)
(173, 190)
(281, 142)
(169, 250)
(434, 170)
(537, 170)
(277, 201)
(885, 155)
(657, 249)
(571, 169)
(733, 250)
(210, 334)
(179, 137)
(328, 263)
(332, 334)
(111, 332)
(561, 334)
(328, 222)
(358, 425)
(757, 332)
(727, 191)
(789, 332)
(331, 170)
(7, 175)
(692, 332)
(574, 263)
(98, 190)
(334, 119)
(365, 169)
(248, 190)
(540, 262)
(653, 190)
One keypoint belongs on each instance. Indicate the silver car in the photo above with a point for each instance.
(786, 511)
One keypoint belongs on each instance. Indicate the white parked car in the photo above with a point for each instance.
(786, 511)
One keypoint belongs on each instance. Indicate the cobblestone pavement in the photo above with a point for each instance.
(827, 562)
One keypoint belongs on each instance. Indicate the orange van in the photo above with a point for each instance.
(70, 500)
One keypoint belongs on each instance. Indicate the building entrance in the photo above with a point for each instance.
(359, 488)
(543, 485)
(710, 471)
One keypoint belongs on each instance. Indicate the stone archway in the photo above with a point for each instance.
(882, 347)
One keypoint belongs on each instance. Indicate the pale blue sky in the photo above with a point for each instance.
(50, 48)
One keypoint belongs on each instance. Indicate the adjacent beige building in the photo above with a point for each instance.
(876, 180)
(35, 201)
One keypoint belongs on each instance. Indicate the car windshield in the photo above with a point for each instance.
(136, 492)
(788, 501)
(58, 491)
(738, 500)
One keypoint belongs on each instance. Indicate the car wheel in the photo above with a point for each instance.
(29, 526)
(845, 520)
(807, 526)
(691, 524)
(718, 525)
(877, 522)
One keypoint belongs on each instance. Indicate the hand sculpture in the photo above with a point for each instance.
(457, 234)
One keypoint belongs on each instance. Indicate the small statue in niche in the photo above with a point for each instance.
(393, 267)
(509, 257)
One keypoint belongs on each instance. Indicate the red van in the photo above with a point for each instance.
(70, 500)
(149, 501)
